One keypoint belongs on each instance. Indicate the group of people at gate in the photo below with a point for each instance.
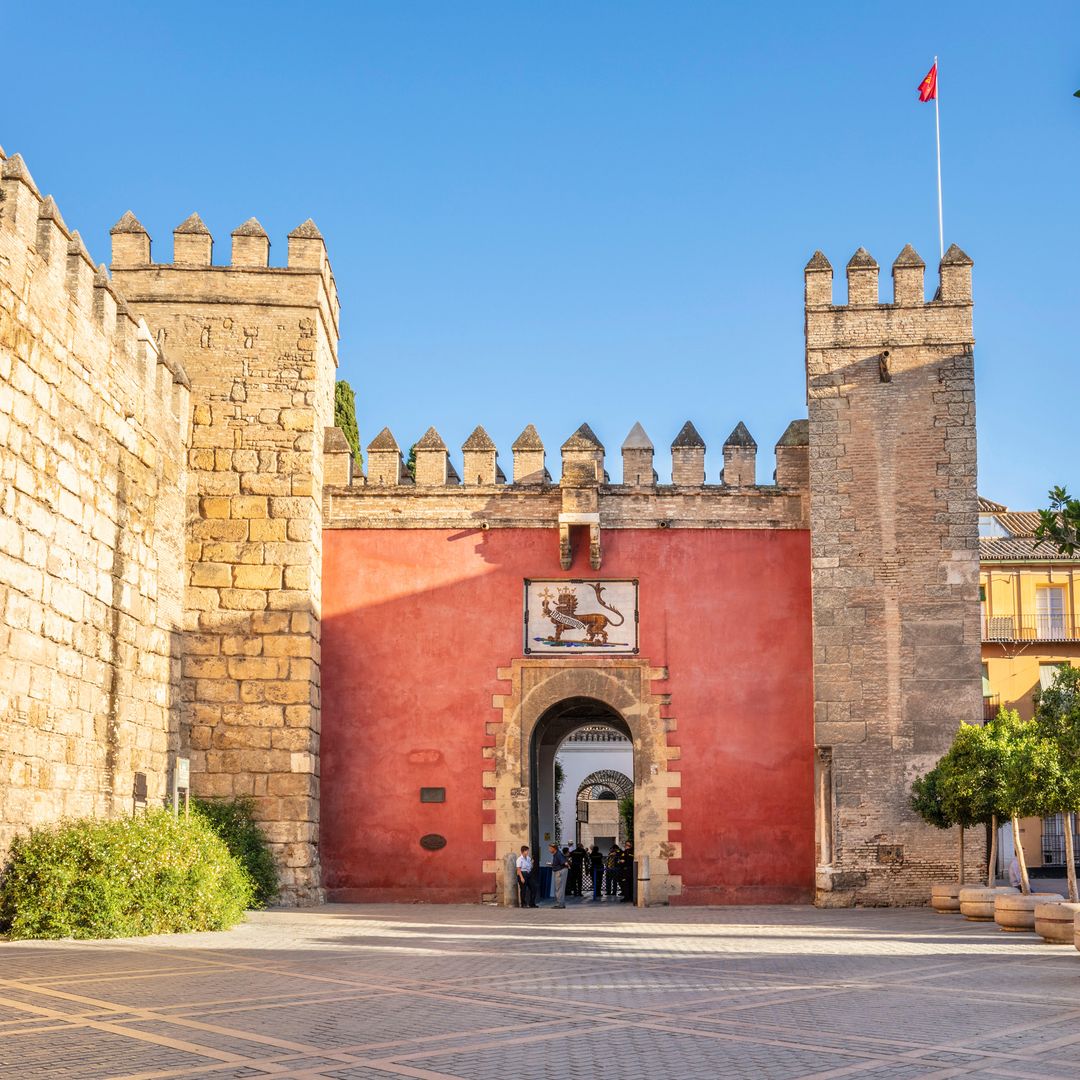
(577, 872)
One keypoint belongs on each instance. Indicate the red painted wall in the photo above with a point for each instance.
(415, 624)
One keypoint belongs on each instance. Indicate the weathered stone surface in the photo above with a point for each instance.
(894, 549)
(93, 422)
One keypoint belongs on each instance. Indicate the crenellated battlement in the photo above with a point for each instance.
(582, 494)
(59, 277)
(583, 461)
(194, 277)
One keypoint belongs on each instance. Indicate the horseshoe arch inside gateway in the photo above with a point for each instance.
(556, 724)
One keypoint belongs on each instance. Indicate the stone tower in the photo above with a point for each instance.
(259, 344)
(894, 543)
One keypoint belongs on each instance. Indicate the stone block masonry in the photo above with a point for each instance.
(94, 416)
(893, 520)
(260, 346)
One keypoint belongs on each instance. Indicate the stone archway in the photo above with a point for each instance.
(624, 685)
(616, 782)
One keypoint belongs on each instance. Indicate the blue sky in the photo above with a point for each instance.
(559, 212)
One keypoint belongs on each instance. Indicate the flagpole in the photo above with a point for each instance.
(937, 128)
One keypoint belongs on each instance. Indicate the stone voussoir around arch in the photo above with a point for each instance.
(623, 684)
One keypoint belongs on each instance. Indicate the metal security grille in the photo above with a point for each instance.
(1053, 841)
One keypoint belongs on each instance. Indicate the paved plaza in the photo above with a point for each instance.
(593, 991)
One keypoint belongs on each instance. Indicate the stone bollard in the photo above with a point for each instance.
(644, 877)
(977, 901)
(1018, 912)
(945, 897)
(512, 899)
(1054, 922)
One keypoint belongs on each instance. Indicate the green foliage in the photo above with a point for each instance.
(926, 799)
(234, 821)
(626, 816)
(410, 463)
(150, 874)
(1060, 524)
(560, 779)
(345, 416)
(1030, 782)
(967, 778)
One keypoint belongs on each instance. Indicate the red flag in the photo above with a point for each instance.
(928, 87)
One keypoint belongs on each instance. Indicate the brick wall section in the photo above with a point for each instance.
(92, 424)
(260, 345)
(895, 565)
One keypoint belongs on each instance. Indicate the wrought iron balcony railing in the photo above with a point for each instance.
(991, 705)
(1031, 628)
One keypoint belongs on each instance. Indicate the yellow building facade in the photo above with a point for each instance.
(1030, 597)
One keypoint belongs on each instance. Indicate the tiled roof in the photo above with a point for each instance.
(988, 506)
(996, 548)
(1020, 522)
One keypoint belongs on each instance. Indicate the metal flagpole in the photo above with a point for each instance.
(937, 128)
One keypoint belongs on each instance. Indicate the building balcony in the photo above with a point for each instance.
(1008, 628)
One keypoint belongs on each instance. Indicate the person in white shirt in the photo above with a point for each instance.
(526, 889)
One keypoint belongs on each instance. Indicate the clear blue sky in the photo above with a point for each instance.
(560, 212)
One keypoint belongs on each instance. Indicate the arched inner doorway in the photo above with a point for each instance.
(554, 728)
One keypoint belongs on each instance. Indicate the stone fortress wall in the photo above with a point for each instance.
(168, 468)
(895, 564)
(94, 419)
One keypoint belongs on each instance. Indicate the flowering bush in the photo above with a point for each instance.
(150, 874)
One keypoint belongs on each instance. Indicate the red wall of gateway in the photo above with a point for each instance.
(415, 625)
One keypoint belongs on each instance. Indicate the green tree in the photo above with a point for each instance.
(1060, 524)
(1057, 714)
(967, 785)
(1030, 781)
(926, 801)
(410, 463)
(345, 417)
(626, 816)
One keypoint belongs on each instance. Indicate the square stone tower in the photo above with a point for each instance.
(260, 346)
(894, 541)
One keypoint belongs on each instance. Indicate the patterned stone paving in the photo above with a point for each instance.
(373, 993)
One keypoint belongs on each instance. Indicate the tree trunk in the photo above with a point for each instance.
(991, 876)
(1070, 857)
(961, 854)
(1025, 884)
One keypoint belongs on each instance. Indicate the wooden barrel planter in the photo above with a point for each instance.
(945, 897)
(1018, 912)
(1055, 923)
(977, 901)
(1076, 931)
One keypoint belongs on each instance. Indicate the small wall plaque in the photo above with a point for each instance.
(139, 790)
(890, 854)
(433, 794)
(432, 842)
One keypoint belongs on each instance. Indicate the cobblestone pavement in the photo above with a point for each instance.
(593, 991)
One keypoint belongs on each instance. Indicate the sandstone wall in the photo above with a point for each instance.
(92, 423)
(260, 345)
(893, 519)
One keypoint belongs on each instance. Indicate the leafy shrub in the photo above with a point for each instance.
(151, 874)
(234, 821)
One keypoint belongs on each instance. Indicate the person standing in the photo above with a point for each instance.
(611, 867)
(577, 871)
(526, 889)
(559, 869)
(596, 869)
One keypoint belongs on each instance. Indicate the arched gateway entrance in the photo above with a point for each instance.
(547, 700)
(560, 721)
